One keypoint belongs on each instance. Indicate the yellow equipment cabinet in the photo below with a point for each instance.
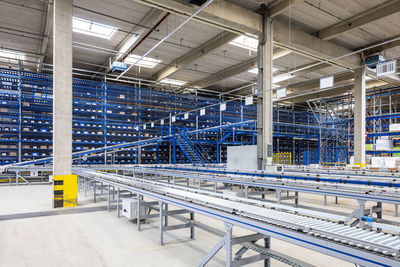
(65, 190)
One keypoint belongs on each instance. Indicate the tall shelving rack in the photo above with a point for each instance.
(107, 113)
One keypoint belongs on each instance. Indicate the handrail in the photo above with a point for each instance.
(202, 151)
(190, 143)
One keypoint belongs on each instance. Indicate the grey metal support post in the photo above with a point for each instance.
(118, 208)
(380, 209)
(161, 223)
(246, 192)
(228, 244)
(85, 184)
(396, 210)
(94, 192)
(166, 214)
(192, 228)
(296, 200)
(278, 196)
(325, 200)
(108, 193)
(267, 244)
(361, 209)
(138, 212)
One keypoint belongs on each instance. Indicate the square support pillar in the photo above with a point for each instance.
(359, 117)
(62, 88)
(265, 103)
(65, 184)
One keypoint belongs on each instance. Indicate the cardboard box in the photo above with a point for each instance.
(395, 127)
(383, 145)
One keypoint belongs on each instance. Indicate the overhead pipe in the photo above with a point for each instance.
(166, 37)
(145, 37)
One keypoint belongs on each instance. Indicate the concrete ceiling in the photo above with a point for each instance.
(23, 26)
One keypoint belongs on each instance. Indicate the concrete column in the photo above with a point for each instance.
(359, 117)
(62, 88)
(264, 109)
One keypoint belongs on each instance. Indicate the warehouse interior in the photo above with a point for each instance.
(199, 132)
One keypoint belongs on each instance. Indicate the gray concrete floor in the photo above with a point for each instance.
(101, 239)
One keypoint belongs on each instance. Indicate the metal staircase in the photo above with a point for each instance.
(192, 148)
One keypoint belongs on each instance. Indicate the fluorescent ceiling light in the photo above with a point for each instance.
(255, 70)
(12, 55)
(146, 62)
(245, 42)
(173, 82)
(128, 44)
(92, 28)
(281, 78)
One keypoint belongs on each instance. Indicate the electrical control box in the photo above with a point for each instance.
(129, 208)
(373, 60)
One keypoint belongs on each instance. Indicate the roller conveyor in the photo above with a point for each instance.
(380, 248)
(313, 185)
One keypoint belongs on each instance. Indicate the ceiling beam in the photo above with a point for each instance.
(46, 32)
(235, 70)
(368, 16)
(226, 73)
(378, 47)
(393, 79)
(195, 54)
(278, 6)
(231, 17)
(274, 9)
(329, 92)
(312, 84)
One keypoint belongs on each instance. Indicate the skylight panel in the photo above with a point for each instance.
(11, 55)
(173, 82)
(245, 42)
(146, 62)
(92, 28)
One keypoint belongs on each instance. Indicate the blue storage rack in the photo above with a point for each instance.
(106, 113)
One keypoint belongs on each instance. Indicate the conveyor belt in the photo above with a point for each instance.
(353, 191)
(333, 233)
(370, 180)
